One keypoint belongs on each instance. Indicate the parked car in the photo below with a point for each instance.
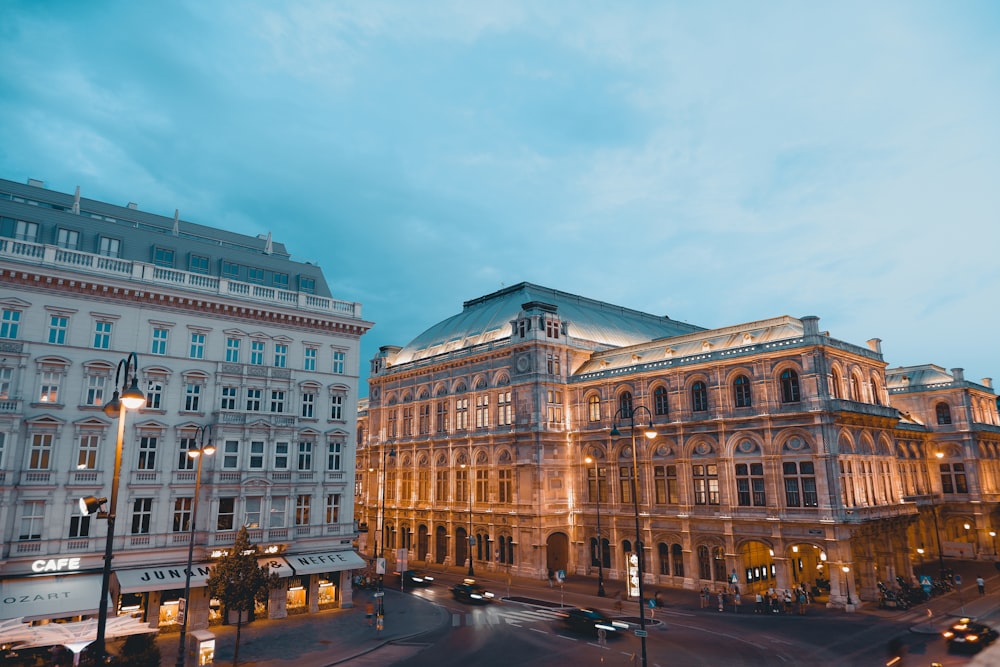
(414, 578)
(967, 636)
(470, 591)
(591, 621)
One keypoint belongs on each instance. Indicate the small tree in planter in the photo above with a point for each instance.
(238, 582)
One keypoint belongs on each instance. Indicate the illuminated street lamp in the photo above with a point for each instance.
(993, 536)
(629, 413)
(204, 449)
(130, 398)
(600, 542)
(469, 538)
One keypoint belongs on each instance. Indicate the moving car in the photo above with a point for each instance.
(968, 636)
(414, 578)
(470, 591)
(591, 621)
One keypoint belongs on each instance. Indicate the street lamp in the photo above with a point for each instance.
(993, 536)
(468, 481)
(380, 549)
(629, 413)
(600, 542)
(130, 398)
(847, 582)
(204, 449)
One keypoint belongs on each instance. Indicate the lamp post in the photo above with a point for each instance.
(600, 543)
(629, 413)
(130, 398)
(847, 582)
(380, 548)
(199, 453)
(468, 541)
(993, 536)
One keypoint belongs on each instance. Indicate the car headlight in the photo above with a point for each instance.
(948, 634)
(489, 595)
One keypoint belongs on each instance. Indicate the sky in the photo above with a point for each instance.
(717, 162)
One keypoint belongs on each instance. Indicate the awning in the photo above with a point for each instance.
(162, 578)
(325, 561)
(50, 597)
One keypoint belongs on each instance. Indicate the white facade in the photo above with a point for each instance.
(235, 342)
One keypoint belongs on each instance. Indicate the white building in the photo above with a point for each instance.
(235, 343)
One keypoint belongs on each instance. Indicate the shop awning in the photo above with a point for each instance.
(162, 578)
(325, 561)
(50, 597)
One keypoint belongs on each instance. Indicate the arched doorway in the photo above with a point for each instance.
(807, 565)
(759, 572)
(557, 552)
(461, 546)
(422, 550)
(440, 544)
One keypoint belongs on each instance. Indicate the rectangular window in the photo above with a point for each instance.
(461, 486)
(281, 280)
(26, 231)
(800, 484)
(58, 325)
(159, 343)
(309, 362)
(253, 400)
(185, 462)
(163, 257)
(308, 405)
(252, 507)
(555, 407)
(482, 486)
(551, 329)
(337, 408)
(32, 518)
(441, 486)
(505, 486)
(231, 454)
(277, 401)
(109, 247)
(504, 409)
(95, 390)
(305, 455)
(199, 264)
(750, 485)
(233, 350)
(303, 503)
(230, 394)
(192, 397)
(307, 285)
(255, 275)
(339, 357)
(182, 515)
(40, 457)
(281, 456)
(257, 352)
(256, 454)
(706, 484)
(625, 483)
(197, 350)
(278, 508)
(102, 335)
(441, 422)
(333, 456)
(407, 420)
(6, 378)
(423, 484)
(227, 514)
(142, 516)
(461, 414)
(482, 411)
(424, 419)
(154, 395)
(552, 364)
(86, 453)
(79, 525)
(48, 391)
(147, 453)
(230, 270)
(280, 355)
(333, 508)
(68, 238)
(9, 322)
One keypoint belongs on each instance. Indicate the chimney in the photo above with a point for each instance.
(810, 325)
(76, 201)
(988, 382)
(958, 374)
(875, 344)
(132, 205)
(35, 183)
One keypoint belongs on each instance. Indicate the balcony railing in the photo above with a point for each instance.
(99, 265)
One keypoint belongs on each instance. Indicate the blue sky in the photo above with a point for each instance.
(718, 162)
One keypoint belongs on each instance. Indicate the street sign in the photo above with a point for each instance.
(379, 594)
(640, 633)
(958, 580)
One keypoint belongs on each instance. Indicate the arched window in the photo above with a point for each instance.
(741, 392)
(699, 396)
(663, 551)
(660, 401)
(943, 413)
(790, 387)
(719, 563)
(873, 386)
(838, 384)
(625, 404)
(677, 552)
(704, 563)
(594, 408)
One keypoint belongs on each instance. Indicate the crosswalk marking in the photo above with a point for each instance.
(496, 616)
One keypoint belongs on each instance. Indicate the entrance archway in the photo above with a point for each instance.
(440, 544)
(557, 552)
(422, 550)
(461, 546)
(757, 561)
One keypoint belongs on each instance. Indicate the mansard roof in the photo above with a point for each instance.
(595, 324)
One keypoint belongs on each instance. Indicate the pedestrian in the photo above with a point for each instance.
(788, 601)
(981, 583)
(551, 575)
(759, 604)
(369, 613)
(618, 602)
(737, 601)
(704, 596)
(802, 602)
(659, 598)
(722, 600)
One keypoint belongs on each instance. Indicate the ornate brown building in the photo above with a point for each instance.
(781, 455)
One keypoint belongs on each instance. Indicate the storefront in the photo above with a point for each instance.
(44, 597)
(321, 580)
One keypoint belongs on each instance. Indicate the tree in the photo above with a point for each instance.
(238, 582)
(140, 651)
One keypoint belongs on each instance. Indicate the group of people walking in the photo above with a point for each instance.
(769, 601)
